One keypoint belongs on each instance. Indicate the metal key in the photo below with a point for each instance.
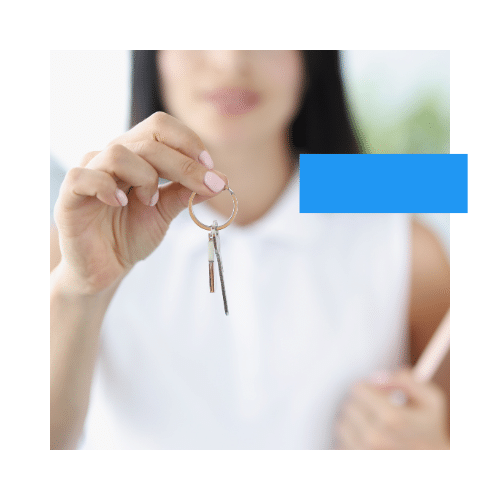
(214, 238)
(214, 243)
(211, 251)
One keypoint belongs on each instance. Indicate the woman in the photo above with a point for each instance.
(317, 301)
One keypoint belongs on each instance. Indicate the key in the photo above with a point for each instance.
(216, 242)
(211, 263)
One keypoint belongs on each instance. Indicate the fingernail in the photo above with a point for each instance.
(121, 197)
(398, 398)
(380, 377)
(205, 159)
(154, 199)
(214, 182)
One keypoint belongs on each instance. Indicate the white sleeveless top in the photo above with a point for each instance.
(316, 302)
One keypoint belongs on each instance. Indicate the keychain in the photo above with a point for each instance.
(214, 244)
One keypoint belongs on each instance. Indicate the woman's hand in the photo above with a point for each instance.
(370, 421)
(102, 233)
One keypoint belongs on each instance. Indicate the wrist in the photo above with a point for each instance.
(64, 281)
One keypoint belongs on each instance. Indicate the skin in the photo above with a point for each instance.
(367, 419)
(98, 241)
(251, 149)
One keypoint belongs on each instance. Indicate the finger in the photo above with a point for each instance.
(364, 427)
(123, 164)
(425, 394)
(80, 183)
(369, 396)
(164, 128)
(177, 167)
(358, 414)
(87, 157)
(174, 198)
(376, 402)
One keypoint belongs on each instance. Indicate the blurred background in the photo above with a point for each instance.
(399, 101)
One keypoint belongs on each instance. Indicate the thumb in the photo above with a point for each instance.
(174, 198)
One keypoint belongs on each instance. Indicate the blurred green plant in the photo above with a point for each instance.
(421, 125)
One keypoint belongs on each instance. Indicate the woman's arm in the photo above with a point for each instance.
(369, 419)
(429, 298)
(75, 323)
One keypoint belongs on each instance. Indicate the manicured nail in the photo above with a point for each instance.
(214, 182)
(154, 199)
(121, 197)
(380, 377)
(398, 398)
(205, 159)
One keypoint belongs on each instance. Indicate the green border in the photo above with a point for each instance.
(34, 470)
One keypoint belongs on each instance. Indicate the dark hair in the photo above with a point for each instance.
(322, 125)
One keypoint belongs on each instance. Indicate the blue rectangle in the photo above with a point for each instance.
(383, 183)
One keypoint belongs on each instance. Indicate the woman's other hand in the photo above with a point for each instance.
(102, 232)
(369, 420)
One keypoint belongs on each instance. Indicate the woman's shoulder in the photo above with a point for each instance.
(430, 264)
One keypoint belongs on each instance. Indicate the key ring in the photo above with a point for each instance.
(209, 228)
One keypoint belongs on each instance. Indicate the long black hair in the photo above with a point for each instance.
(322, 125)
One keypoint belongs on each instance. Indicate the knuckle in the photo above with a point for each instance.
(116, 153)
(158, 118)
(188, 167)
(87, 157)
(73, 175)
(142, 148)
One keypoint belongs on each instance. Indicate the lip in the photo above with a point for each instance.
(233, 100)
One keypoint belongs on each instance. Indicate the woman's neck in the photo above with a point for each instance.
(257, 174)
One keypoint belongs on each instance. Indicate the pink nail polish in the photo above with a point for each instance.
(154, 199)
(205, 159)
(214, 182)
(121, 197)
